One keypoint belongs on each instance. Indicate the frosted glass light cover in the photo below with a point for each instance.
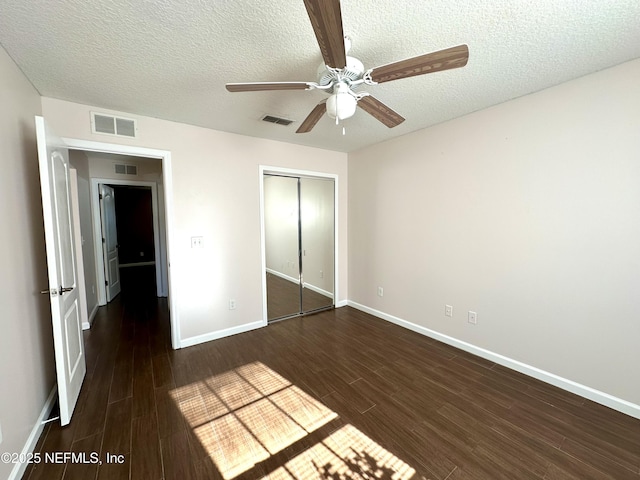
(341, 105)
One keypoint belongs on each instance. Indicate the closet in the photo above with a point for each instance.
(299, 229)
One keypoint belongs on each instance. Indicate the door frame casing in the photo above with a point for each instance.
(293, 172)
(167, 186)
(97, 232)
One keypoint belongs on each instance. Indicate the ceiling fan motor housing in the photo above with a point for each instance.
(352, 72)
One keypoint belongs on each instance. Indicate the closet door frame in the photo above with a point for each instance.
(267, 170)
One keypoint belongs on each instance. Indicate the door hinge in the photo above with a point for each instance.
(106, 283)
(100, 196)
(104, 241)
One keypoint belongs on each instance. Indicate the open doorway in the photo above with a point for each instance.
(124, 225)
(131, 172)
(137, 256)
(135, 184)
(140, 232)
(63, 195)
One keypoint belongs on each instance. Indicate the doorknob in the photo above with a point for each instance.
(48, 291)
(64, 290)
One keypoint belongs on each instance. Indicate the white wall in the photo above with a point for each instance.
(527, 213)
(216, 181)
(80, 162)
(27, 371)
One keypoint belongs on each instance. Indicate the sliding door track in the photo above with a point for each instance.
(302, 314)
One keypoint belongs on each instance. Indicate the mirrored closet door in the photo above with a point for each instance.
(299, 217)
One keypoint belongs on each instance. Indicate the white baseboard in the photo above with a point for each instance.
(34, 436)
(92, 315)
(207, 337)
(318, 290)
(296, 281)
(342, 303)
(569, 385)
(282, 275)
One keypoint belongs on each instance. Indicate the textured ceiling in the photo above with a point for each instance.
(170, 59)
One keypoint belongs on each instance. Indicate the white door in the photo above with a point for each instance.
(109, 241)
(61, 266)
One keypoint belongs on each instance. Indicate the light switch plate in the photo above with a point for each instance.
(448, 310)
(473, 317)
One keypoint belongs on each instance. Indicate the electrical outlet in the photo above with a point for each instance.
(448, 310)
(197, 242)
(232, 304)
(380, 292)
(473, 317)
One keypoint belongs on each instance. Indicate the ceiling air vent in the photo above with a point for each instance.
(110, 125)
(277, 120)
(126, 169)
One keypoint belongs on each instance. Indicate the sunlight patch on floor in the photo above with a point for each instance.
(345, 454)
(309, 413)
(270, 425)
(243, 416)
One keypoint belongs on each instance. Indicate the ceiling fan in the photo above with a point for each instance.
(341, 75)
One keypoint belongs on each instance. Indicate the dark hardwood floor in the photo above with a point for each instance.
(336, 395)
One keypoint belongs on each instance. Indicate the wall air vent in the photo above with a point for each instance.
(126, 169)
(276, 120)
(110, 125)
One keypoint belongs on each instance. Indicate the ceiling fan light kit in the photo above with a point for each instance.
(341, 75)
(342, 104)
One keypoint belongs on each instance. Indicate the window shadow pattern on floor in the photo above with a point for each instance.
(246, 415)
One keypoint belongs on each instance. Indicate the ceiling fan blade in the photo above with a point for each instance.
(262, 86)
(380, 111)
(454, 57)
(326, 19)
(313, 117)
